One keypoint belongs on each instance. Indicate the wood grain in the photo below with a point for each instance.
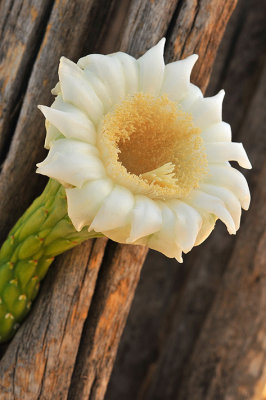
(162, 353)
(39, 363)
(107, 317)
(56, 354)
(22, 24)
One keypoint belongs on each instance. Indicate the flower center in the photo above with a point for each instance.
(151, 145)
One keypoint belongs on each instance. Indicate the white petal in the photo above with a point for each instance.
(56, 90)
(232, 179)
(213, 205)
(71, 122)
(165, 239)
(194, 93)
(208, 110)
(115, 211)
(177, 78)
(52, 134)
(70, 146)
(110, 72)
(146, 218)
(188, 224)
(118, 235)
(220, 152)
(100, 89)
(83, 204)
(220, 132)
(229, 199)
(131, 72)
(143, 241)
(151, 69)
(208, 224)
(77, 90)
(72, 162)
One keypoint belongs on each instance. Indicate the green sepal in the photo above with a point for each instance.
(30, 246)
(7, 327)
(32, 287)
(3, 310)
(59, 246)
(43, 232)
(10, 293)
(43, 265)
(8, 248)
(24, 271)
(34, 223)
(6, 274)
(19, 307)
(64, 228)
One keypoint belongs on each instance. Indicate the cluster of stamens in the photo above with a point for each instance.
(151, 145)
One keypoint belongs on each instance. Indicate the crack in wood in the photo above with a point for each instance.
(13, 107)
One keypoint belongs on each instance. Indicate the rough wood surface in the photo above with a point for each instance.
(22, 24)
(197, 331)
(117, 283)
(48, 343)
(67, 346)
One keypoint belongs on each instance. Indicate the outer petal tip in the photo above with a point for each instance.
(246, 203)
(221, 93)
(161, 42)
(62, 62)
(245, 162)
(43, 109)
(192, 59)
(63, 59)
(179, 258)
(151, 69)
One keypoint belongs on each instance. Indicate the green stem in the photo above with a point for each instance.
(43, 232)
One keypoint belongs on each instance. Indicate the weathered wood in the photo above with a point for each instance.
(146, 23)
(199, 29)
(21, 30)
(40, 361)
(175, 355)
(117, 283)
(74, 28)
(234, 332)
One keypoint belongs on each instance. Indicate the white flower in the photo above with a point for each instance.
(143, 155)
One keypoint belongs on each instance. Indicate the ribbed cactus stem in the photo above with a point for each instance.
(43, 232)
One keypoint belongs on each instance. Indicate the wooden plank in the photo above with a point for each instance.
(117, 283)
(231, 348)
(199, 29)
(157, 364)
(40, 361)
(21, 30)
(146, 23)
(233, 361)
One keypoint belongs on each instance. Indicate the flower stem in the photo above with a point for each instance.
(43, 232)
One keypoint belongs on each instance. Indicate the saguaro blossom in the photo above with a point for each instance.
(136, 153)
(144, 157)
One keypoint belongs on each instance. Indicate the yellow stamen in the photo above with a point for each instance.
(152, 146)
(162, 174)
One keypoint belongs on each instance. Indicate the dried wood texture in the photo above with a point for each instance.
(197, 331)
(67, 346)
(49, 341)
